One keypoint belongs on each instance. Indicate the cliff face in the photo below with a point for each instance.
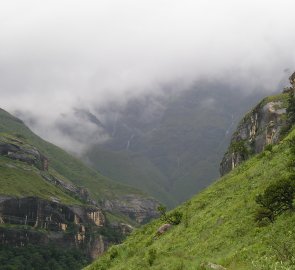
(32, 220)
(60, 212)
(260, 127)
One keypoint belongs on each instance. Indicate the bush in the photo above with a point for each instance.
(276, 199)
(173, 218)
(291, 108)
(263, 216)
(152, 254)
(239, 147)
(113, 253)
(268, 147)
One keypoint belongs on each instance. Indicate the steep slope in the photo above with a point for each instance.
(102, 191)
(51, 204)
(218, 226)
(170, 146)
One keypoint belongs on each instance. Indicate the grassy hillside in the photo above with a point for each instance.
(134, 170)
(64, 164)
(21, 180)
(218, 226)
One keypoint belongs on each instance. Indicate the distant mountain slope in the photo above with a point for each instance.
(51, 202)
(101, 189)
(218, 230)
(62, 162)
(170, 146)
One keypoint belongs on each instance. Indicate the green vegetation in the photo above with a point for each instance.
(239, 147)
(33, 257)
(60, 162)
(20, 180)
(291, 108)
(283, 98)
(174, 217)
(277, 198)
(218, 225)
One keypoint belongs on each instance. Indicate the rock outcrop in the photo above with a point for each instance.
(258, 128)
(164, 228)
(17, 150)
(41, 221)
(136, 208)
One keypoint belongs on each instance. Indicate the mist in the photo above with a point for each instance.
(56, 56)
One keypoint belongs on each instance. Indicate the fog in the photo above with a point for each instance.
(56, 56)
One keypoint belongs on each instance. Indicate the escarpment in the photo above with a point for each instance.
(40, 206)
(32, 220)
(260, 127)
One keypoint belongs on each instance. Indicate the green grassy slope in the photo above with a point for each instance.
(20, 180)
(134, 170)
(218, 226)
(71, 168)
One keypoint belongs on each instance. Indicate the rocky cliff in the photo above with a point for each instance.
(32, 220)
(260, 127)
(59, 212)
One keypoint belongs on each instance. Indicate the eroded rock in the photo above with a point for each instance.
(164, 228)
(213, 266)
(260, 127)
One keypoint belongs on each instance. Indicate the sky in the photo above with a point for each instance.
(62, 54)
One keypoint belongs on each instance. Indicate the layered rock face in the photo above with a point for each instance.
(29, 155)
(38, 221)
(41, 221)
(259, 128)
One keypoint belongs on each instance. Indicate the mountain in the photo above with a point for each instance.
(223, 227)
(51, 202)
(170, 145)
(260, 127)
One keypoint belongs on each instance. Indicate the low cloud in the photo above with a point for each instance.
(59, 55)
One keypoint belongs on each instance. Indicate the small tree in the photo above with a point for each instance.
(276, 199)
(173, 218)
(162, 210)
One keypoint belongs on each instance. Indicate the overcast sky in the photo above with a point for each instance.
(58, 54)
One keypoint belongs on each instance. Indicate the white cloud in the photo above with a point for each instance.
(56, 55)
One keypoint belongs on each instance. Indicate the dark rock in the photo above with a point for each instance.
(65, 225)
(27, 154)
(5, 148)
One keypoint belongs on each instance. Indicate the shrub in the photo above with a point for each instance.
(276, 199)
(113, 253)
(239, 147)
(162, 210)
(173, 218)
(291, 108)
(152, 254)
(263, 216)
(268, 147)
